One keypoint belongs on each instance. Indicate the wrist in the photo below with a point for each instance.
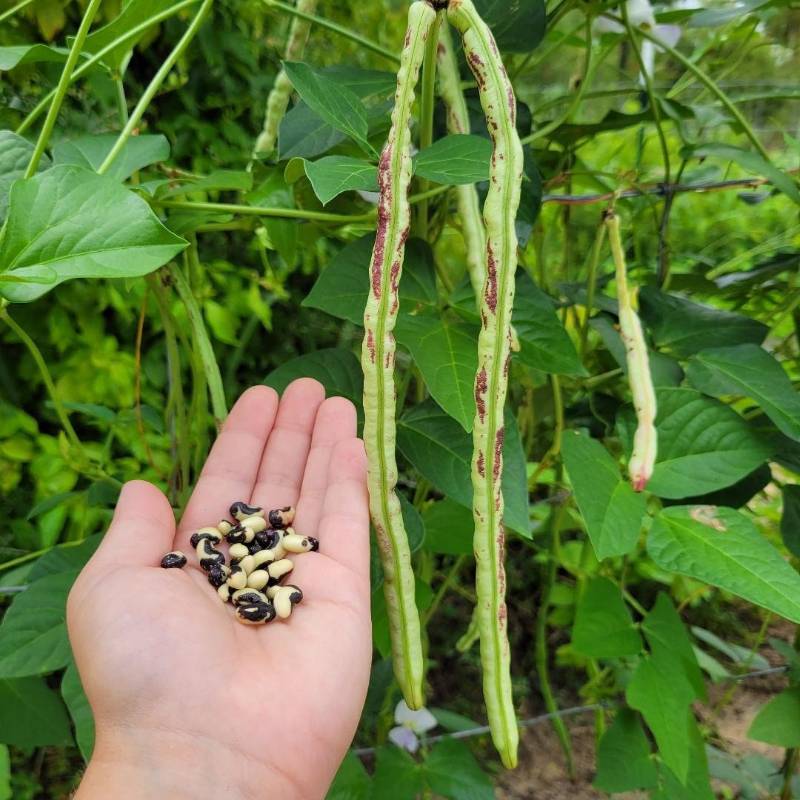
(139, 764)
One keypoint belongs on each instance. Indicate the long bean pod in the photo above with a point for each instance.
(491, 382)
(645, 440)
(377, 361)
(278, 99)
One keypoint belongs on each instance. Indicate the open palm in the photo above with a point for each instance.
(166, 667)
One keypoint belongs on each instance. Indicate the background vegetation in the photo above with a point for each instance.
(652, 638)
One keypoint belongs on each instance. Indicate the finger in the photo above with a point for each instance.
(335, 422)
(141, 531)
(344, 524)
(283, 463)
(231, 468)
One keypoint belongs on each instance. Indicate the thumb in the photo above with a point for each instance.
(141, 532)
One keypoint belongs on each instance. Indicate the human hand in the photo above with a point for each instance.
(190, 703)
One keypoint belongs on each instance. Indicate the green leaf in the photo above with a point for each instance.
(414, 525)
(17, 55)
(450, 770)
(442, 451)
(518, 27)
(446, 354)
(668, 639)
(341, 289)
(32, 715)
(703, 445)
(451, 721)
(742, 656)
(397, 775)
(448, 528)
(338, 370)
(351, 781)
(778, 722)
(90, 152)
(53, 501)
(273, 191)
(77, 224)
(790, 519)
(624, 761)
(663, 699)
(696, 784)
(33, 636)
(15, 153)
(544, 344)
(611, 510)
(334, 102)
(79, 710)
(133, 14)
(332, 175)
(603, 626)
(748, 370)
(455, 159)
(65, 558)
(684, 327)
(220, 180)
(722, 547)
(752, 162)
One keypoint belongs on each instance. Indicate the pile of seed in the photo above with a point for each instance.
(259, 544)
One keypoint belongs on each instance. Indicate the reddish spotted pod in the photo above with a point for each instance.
(645, 440)
(491, 381)
(377, 361)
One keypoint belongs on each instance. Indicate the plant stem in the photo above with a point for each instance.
(61, 89)
(591, 285)
(47, 378)
(155, 85)
(210, 366)
(789, 768)
(13, 10)
(122, 103)
(707, 81)
(334, 27)
(452, 574)
(426, 104)
(34, 114)
(262, 211)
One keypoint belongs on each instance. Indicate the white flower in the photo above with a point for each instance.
(410, 724)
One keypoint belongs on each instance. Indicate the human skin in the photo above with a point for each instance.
(190, 703)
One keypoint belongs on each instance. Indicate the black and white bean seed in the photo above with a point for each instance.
(293, 543)
(224, 527)
(268, 538)
(263, 557)
(174, 560)
(277, 569)
(240, 510)
(224, 592)
(212, 534)
(258, 579)
(237, 552)
(255, 613)
(218, 574)
(285, 599)
(245, 596)
(207, 555)
(281, 517)
(238, 578)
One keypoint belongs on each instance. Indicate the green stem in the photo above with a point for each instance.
(15, 562)
(367, 44)
(591, 284)
(426, 104)
(789, 768)
(651, 94)
(210, 366)
(13, 10)
(37, 356)
(122, 103)
(34, 114)
(61, 89)
(452, 574)
(262, 211)
(708, 82)
(154, 85)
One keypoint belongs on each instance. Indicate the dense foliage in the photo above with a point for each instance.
(154, 262)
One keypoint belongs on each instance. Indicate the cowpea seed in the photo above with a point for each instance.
(240, 534)
(263, 557)
(255, 613)
(224, 592)
(224, 527)
(208, 555)
(272, 591)
(218, 574)
(285, 598)
(174, 560)
(258, 579)
(238, 552)
(277, 569)
(281, 517)
(256, 524)
(293, 543)
(268, 538)
(241, 510)
(212, 534)
(247, 595)
(247, 564)
(238, 578)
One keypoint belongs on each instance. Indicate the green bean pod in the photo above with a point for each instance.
(645, 440)
(491, 382)
(469, 207)
(377, 361)
(278, 99)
